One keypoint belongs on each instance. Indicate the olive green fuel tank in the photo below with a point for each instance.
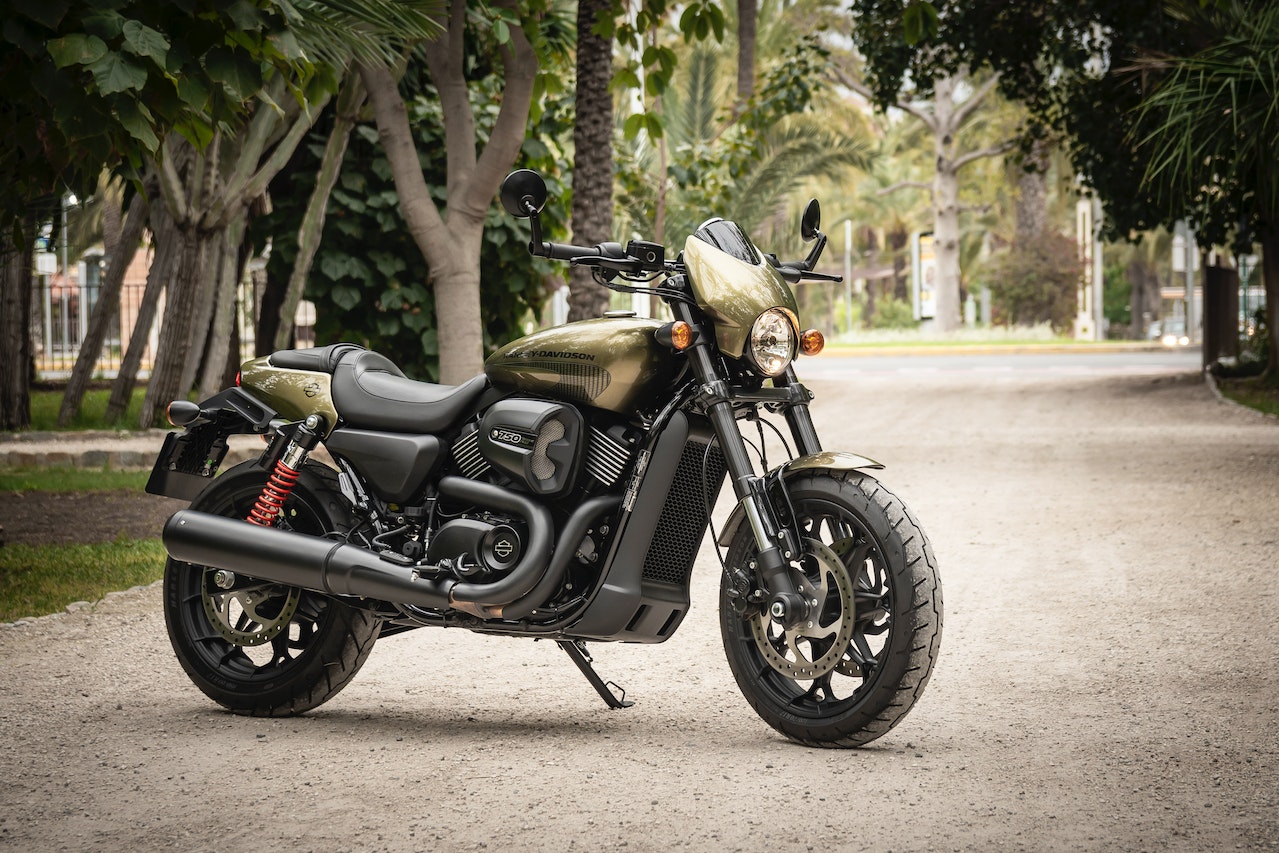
(611, 363)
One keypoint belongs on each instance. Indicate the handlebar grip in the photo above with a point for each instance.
(567, 251)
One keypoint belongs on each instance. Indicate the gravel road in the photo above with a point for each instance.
(1109, 677)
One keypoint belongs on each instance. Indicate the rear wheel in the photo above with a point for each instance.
(851, 672)
(258, 647)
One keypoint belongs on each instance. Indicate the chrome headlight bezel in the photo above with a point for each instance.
(772, 343)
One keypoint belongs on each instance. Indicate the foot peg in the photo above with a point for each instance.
(576, 650)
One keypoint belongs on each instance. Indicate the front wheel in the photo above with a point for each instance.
(853, 670)
(258, 647)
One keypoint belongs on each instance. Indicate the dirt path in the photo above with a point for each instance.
(1107, 679)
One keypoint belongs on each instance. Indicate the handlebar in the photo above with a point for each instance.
(613, 256)
(567, 251)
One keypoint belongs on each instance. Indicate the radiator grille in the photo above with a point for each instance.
(683, 519)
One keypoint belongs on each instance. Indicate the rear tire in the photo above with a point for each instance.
(855, 675)
(261, 648)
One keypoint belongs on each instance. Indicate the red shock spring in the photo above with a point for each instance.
(276, 491)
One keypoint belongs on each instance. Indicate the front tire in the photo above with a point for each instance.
(850, 675)
(260, 648)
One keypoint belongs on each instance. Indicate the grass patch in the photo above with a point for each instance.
(46, 401)
(35, 581)
(68, 479)
(1252, 392)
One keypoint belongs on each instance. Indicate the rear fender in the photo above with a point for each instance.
(189, 460)
(828, 460)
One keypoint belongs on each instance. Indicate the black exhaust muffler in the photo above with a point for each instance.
(337, 568)
(296, 559)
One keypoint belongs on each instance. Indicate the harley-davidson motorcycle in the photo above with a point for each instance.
(563, 494)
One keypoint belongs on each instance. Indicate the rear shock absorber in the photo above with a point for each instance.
(288, 468)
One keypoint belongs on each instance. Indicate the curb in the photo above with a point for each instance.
(1211, 382)
(99, 450)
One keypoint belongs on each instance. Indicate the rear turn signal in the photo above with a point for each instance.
(182, 412)
(677, 335)
(811, 342)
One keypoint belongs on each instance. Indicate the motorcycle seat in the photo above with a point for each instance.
(370, 392)
(318, 359)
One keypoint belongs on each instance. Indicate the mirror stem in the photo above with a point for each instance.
(811, 261)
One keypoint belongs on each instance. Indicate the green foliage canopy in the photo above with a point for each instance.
(86, 85)
(1073, 63)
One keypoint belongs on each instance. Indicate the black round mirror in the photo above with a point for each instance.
(810, 225)
(523, 193)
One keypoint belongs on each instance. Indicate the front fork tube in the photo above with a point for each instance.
(775, 543)
(798, 416)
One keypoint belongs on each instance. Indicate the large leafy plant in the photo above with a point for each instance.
(369, 283)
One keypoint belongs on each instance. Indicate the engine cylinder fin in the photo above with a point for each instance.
(466, 452)
(607, 458)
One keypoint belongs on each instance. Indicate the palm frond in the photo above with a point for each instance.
(336, 32)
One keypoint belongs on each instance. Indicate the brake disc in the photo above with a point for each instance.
(817, 645)
(250, 615)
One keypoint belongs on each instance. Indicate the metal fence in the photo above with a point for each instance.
(60, 320)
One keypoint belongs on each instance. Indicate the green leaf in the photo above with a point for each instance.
(107, 24)
(239, 74)
(198, 133)
(136, 122)
(919, 21)
(501, 32)
(633, 125)
(344, 296)
(113, 73)
(245, 15)
(77, 49)
(144, 41)
(193, 92)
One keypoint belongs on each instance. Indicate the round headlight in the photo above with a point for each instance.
(772, 344)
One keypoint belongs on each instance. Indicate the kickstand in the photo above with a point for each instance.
(576, 650)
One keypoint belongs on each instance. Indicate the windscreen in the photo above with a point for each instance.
(728, 237)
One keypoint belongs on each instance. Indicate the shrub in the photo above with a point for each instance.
(1037, 282)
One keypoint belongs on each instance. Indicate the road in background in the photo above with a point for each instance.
(1108, 676)
(840, 363)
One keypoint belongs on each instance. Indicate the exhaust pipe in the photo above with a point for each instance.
(337, 568)
(296, 559)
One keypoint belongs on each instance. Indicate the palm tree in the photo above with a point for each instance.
(1211, 129)
(702, 182)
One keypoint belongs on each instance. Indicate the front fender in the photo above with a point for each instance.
(830, 460)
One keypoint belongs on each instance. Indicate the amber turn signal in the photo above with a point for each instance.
(677, 335)
(811, 342)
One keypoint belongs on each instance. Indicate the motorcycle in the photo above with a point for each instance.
(562, 494)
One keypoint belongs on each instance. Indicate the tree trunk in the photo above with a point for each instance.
(593, 163)
(452, 250)
(107, 307)
(946, 208)
(179, 327)
(1032, 195)
(1270, 271)
(15, 331)
(226, 264)
(164, 233)
(312, 228)
(747, 13)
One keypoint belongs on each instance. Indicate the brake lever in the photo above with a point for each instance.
(622, 265)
